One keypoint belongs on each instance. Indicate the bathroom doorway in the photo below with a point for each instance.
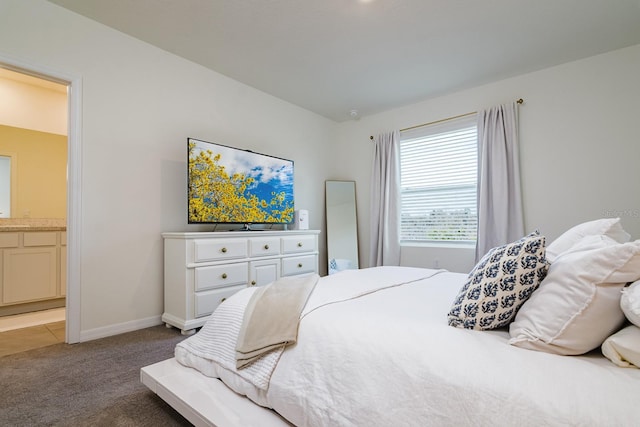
(33, 151)
(45, 108)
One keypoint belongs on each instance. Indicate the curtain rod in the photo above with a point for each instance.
(518, 101)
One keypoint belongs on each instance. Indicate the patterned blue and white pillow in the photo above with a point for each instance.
(499, 284)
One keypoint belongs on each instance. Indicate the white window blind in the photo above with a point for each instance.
(438, 180)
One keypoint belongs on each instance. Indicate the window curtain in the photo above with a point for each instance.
(500, 218)
(385, 201)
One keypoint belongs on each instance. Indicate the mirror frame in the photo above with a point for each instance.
(13, 179)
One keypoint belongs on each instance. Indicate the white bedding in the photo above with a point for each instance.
(213, 350)
(389, 358)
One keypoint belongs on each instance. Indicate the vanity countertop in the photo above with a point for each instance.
(33, 224)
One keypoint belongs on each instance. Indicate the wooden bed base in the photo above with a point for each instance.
(205, 401)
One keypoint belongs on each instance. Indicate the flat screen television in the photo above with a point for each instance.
(228, 185)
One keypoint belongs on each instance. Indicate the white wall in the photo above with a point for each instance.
(580, 149)
(139, 105)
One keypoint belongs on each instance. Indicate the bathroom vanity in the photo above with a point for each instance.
(33, 258)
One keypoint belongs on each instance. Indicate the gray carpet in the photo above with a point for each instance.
(96, 383)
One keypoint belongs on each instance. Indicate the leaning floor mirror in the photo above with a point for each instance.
(342, 226)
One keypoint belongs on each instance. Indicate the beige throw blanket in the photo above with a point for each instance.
(272, 317)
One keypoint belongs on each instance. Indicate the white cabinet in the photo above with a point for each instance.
(264, 271)
(203, 269)
(31, 266)
(63, 263)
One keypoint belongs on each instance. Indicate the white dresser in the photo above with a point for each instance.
(203, 269)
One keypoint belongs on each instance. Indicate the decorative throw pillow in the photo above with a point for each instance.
(630, 303)
(578, 304)
(337, 265)
(609, 227)
(501, 282)
(623, 347)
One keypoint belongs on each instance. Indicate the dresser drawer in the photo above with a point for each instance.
(294, 244)
(206, 302)
(9, 240)
(299, 265)
(44, 238)
(218, 276)
(219, 249)
(265, 246)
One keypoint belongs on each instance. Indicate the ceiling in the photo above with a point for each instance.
(335, 56)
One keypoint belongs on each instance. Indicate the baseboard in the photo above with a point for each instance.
(119, 328)
(11, 310)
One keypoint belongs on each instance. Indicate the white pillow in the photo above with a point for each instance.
(609, 227)
(630, 303)
(623, 347)
(499, 284)
(577, 305)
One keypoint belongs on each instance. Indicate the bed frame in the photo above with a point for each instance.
(205, 401)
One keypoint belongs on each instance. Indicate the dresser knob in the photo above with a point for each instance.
(223, 300)
(266, 247)
(223, 250)
(224, 275)
(253, 283)
(299, 265)
(299, 244)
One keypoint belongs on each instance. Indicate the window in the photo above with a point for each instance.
(438, 182)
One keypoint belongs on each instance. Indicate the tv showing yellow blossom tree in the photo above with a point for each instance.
(230, 185)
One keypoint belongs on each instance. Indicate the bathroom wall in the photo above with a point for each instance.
(40, 160)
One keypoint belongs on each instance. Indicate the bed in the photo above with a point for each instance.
(390, 346)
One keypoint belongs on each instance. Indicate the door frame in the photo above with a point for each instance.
(74, 183)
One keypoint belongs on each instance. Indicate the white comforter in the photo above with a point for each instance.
(213, 350)
(388, 358)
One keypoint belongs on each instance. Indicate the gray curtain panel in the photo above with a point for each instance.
(385, 201)
(500, 218)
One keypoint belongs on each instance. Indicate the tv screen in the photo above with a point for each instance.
(234, 186)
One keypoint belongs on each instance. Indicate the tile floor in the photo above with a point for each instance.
(33, 330)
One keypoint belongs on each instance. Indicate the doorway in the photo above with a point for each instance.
(69, 282)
